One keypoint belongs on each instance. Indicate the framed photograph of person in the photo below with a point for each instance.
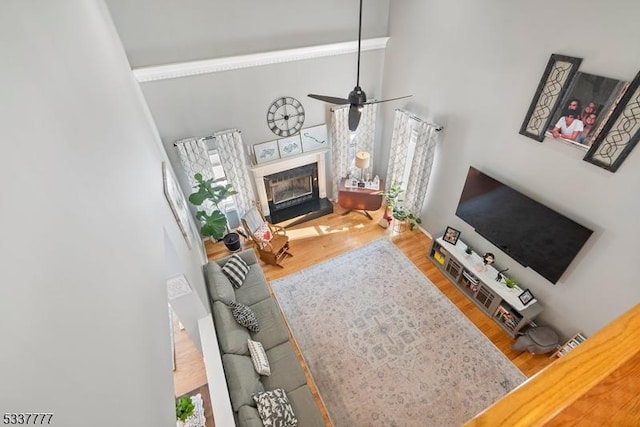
(451, 235)
(585, 106)
(526, 297)
(620, 133)
(556, 78)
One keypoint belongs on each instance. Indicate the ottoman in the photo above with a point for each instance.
(538, 340)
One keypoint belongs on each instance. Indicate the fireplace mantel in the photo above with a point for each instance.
(260, 171)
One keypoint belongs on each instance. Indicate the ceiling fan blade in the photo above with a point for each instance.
(387, 100)
(354, 117)
(330, 99)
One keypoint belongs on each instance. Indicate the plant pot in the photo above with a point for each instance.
(399, 225)
(232, 241)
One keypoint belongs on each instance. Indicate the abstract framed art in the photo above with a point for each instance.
(620, 133)
(266, 151)
(556, 78)
(178, 204)
(314, 138)
(290, 146)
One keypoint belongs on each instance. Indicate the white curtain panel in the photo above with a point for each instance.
(345, 143)
(194, 157)
(234, 162)
(411, 158)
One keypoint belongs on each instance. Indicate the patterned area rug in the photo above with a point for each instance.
(386, 347)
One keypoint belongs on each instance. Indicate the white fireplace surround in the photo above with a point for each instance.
(260, 171)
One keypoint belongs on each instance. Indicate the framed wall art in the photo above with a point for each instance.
(526, 297)
(290, 146)
(314, 138)
(556, 78)
(266, 151)
(177, 203)
(621, 132)
(584, 107)
(451, 235)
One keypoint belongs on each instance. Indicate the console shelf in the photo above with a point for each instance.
(478, 283)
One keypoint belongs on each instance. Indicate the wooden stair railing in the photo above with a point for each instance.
(596, 384)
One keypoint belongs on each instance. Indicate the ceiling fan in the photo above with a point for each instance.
(357, 99)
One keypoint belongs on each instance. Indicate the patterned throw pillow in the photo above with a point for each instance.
(274, 409)
(236, 270)
(244, 316)
(259, 358)
(263, 233)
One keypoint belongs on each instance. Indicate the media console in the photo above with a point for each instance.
(478, 282)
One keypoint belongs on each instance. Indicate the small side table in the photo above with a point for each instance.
(361, 199)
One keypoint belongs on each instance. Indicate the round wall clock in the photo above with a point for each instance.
(285, 116)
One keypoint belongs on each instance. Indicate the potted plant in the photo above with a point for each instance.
(402, 215)
(468, 250)
(214, 223)
(510, 282)
(184, 408)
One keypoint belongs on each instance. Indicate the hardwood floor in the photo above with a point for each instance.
(331, 235)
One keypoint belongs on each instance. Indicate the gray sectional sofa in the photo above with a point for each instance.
(242, 379)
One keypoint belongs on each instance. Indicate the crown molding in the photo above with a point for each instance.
(192, 68)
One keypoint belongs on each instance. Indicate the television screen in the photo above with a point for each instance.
(529, 232)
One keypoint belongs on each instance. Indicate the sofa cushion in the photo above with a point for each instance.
(254, 289)
(305, 407)
(248, 416)
(232, 336)
(274, 409)
(273, 330)
(286, 372)
(244, 316)
(242, 380)
(236, 270)
(259, 358)
(220, 289)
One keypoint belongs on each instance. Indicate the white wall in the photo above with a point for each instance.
(83, 302)
(474, 67)
(200, 105)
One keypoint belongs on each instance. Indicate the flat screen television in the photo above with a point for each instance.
(528, 231)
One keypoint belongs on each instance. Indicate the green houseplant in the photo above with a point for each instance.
(214, 224)
(510, 282)
(398, 211)
(184, 408)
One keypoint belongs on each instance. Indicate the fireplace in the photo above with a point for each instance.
(293, 187)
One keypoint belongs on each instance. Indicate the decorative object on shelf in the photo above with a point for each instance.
(499, 276)
(290, 146)
(468, 250)
(214, 222)
(266, 151)
(526, 297)
(487, 259)
(285, 116)
(178, 206)
(363, 161)
(511, 283)
(589, 99)
(314, 138)
(451, 235)
(572, 343)
(184, 408)
(621, 132)
(555, 80)
(357, 99)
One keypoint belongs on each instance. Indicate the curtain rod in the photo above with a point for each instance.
(208, 137)
(418, 119)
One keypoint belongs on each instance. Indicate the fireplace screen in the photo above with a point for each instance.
(291, 187)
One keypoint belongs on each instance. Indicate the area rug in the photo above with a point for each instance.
(386, 347)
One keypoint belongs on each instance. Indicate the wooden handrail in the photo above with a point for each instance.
(600, 379)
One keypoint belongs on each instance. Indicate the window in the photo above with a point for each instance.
(219, 178)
